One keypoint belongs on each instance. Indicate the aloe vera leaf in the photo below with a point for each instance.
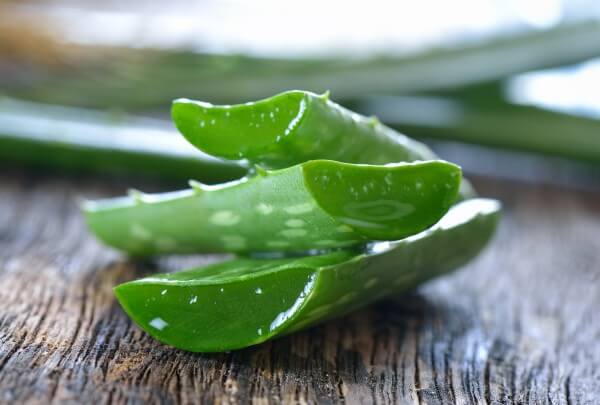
(244, 302)
(77, 139)
(290, 128)
(314, 205)
(293, 127)
(117, 78)
(500, 125)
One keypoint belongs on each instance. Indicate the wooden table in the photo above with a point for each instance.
(521, 324)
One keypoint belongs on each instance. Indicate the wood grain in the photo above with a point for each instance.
(521, 324)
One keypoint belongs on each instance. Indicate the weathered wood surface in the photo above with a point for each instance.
(521, 324)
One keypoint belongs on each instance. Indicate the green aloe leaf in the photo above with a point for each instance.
(141, 78)
(76, 139)
(290, 128)
(314, 205)
(244, 302)
(500, 124)
(293, 127)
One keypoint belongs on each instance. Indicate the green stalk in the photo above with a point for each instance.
(81, 140)
(314, 205)
(244, 302)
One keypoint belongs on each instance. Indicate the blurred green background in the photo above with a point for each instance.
(504, 88)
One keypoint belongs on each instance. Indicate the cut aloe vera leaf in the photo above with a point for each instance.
(244, 302)
(290, 128)
(293, 127)
(314, 205)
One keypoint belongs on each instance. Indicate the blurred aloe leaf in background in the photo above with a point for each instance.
(76, 139)
(456, 91)
(143, 78)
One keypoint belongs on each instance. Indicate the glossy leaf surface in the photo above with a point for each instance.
(244, 302)
(315, 205)
(290, 128)
(293, 127)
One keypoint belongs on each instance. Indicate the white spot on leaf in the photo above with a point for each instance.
(299, 209)
(158, 323)
(344, 229)
(225, 218)
(295, 223)
(138, 231)
(264, 208)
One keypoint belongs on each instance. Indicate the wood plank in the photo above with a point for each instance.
(521, 324)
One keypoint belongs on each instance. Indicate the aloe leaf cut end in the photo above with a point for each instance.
(291, 128)
(224, 306)
(384, 202)
(242, 130)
